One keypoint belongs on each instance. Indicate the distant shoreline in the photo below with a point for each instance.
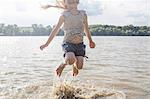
(96, 30)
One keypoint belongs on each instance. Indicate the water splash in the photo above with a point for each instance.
(66, 89)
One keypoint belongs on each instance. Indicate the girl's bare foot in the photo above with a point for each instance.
(75, 71)
(60, 69)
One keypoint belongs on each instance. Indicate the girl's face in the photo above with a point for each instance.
(72, 4)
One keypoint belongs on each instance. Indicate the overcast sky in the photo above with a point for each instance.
(113, 12)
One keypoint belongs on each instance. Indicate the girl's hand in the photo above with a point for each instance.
(43, 46)
(92, 44)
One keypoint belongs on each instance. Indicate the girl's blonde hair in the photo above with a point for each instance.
(61, 4)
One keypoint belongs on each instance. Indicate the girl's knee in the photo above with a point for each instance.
(79, 62)
(70, 58)
(70, 61)
(80, 66)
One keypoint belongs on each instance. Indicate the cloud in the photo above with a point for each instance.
(124, 12)
(138, 12)
(140, 18)
(93, 7)
(21, 6)
(116, 12)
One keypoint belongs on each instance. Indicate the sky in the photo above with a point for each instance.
(111, 12)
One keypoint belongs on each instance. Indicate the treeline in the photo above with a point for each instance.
(34, 30)
(111, 30)
(96, 30)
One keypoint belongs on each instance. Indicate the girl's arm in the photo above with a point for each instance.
(87, 32)
(53, 32)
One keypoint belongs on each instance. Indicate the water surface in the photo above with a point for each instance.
(122, 63)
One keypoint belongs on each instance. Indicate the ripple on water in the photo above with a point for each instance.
(7, 72)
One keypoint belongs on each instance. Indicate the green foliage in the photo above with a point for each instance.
(111, 30)
(96, 30)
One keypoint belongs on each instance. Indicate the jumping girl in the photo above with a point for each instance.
(75, 24)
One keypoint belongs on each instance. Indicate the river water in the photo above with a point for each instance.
(117, 62)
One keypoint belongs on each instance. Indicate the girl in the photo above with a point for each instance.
(75, 24)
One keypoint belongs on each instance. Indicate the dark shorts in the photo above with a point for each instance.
(77, 49)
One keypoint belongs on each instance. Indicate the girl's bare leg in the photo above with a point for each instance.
(78, 65)
(60, 68)
(75, 70)
(69, 60)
